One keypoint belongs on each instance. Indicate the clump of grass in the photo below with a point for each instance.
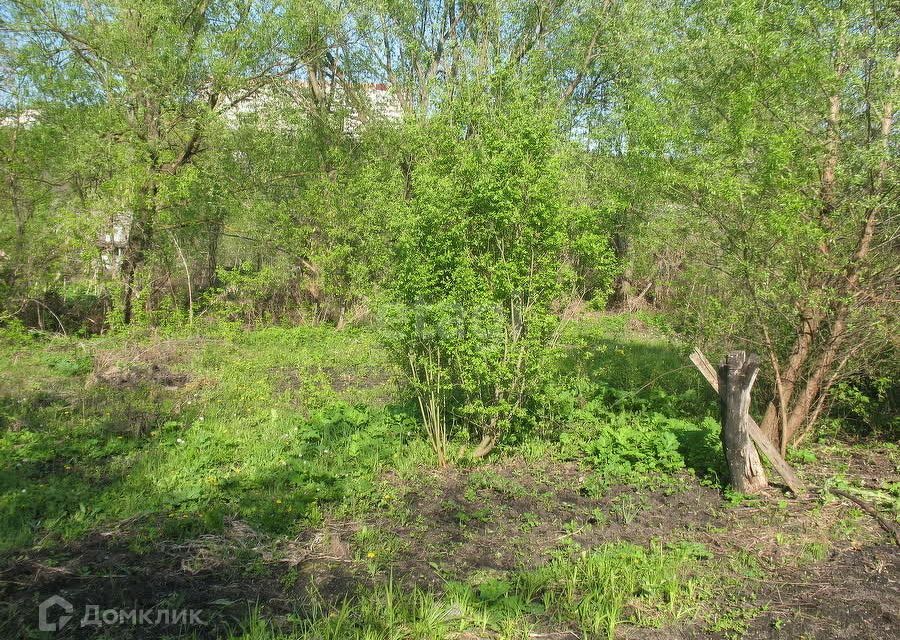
(618, 583)
(492, 481)
(593, 593)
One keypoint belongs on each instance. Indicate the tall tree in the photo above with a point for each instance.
(783, 134)
(152, 78)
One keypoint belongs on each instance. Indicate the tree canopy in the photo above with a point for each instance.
(483, 165)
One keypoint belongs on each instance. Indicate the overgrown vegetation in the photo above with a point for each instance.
(180, 440)
(729, 164)
(372, 320)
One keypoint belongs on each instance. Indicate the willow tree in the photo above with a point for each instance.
(152, 80)
(783, 150)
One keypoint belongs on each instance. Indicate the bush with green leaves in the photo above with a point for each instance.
(250, 295)
(622, 446)
(479, 264)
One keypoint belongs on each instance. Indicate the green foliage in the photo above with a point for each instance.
(69, 365)
(648, 155)
(623, 446)
(251, 296)
(801, 456)
(13, 333)
(866, 407)
(778, 162)
(479, 261)
(595, 593)
(183, 183)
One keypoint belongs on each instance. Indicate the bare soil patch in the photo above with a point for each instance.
(511, 515)
(134, 366)
(854, 594)
(465, 524)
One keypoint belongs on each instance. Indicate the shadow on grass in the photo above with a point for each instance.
(150, 522)
(220, 577)
(636, 372)
(139, 499)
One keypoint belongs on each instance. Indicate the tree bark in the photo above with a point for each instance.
(763, 444)
(771, 424)
(484, 447)
(737, 373)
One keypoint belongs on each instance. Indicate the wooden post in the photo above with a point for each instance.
(737, 373)
(759, 438)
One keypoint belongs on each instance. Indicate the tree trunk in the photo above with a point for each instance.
(488, 439)
(487, 444)
(772, 422)
(128, 268)
(139, 237)
(737, 373)
(216, 230)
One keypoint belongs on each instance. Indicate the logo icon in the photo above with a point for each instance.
(45, 612)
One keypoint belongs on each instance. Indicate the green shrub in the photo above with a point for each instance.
(251, 295)
(622, 446)
(480, 265)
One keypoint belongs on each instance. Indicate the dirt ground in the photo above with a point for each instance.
(799, 568)
(852, 594)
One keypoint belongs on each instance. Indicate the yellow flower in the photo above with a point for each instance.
(371, 554)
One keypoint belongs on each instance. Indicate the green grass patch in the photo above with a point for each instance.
(593, 593)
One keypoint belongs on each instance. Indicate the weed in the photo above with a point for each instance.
(626, 508)
(733, 620)
(375, 548)
(847, 526)
(814, 552)
(529, 521)
(624, 447)
(597, 517)
(737, 499)
(595, 593)
(745, 564)
(801, 456)
(493, 481)
(289, 579)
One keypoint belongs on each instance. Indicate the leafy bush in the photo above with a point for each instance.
(480, 265)
(252, 295)
(623, 445)
(867, 407)
(68, 365)
(14, 334)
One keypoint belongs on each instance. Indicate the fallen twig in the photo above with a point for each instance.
(890, 527)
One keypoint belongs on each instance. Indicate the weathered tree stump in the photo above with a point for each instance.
(737, 373)
(763, 444)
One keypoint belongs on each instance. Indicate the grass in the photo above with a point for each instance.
(171, 440)
(263, 431)
(593, 593)
(272, 426)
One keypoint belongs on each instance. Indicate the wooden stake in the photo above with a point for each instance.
(759, 439)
